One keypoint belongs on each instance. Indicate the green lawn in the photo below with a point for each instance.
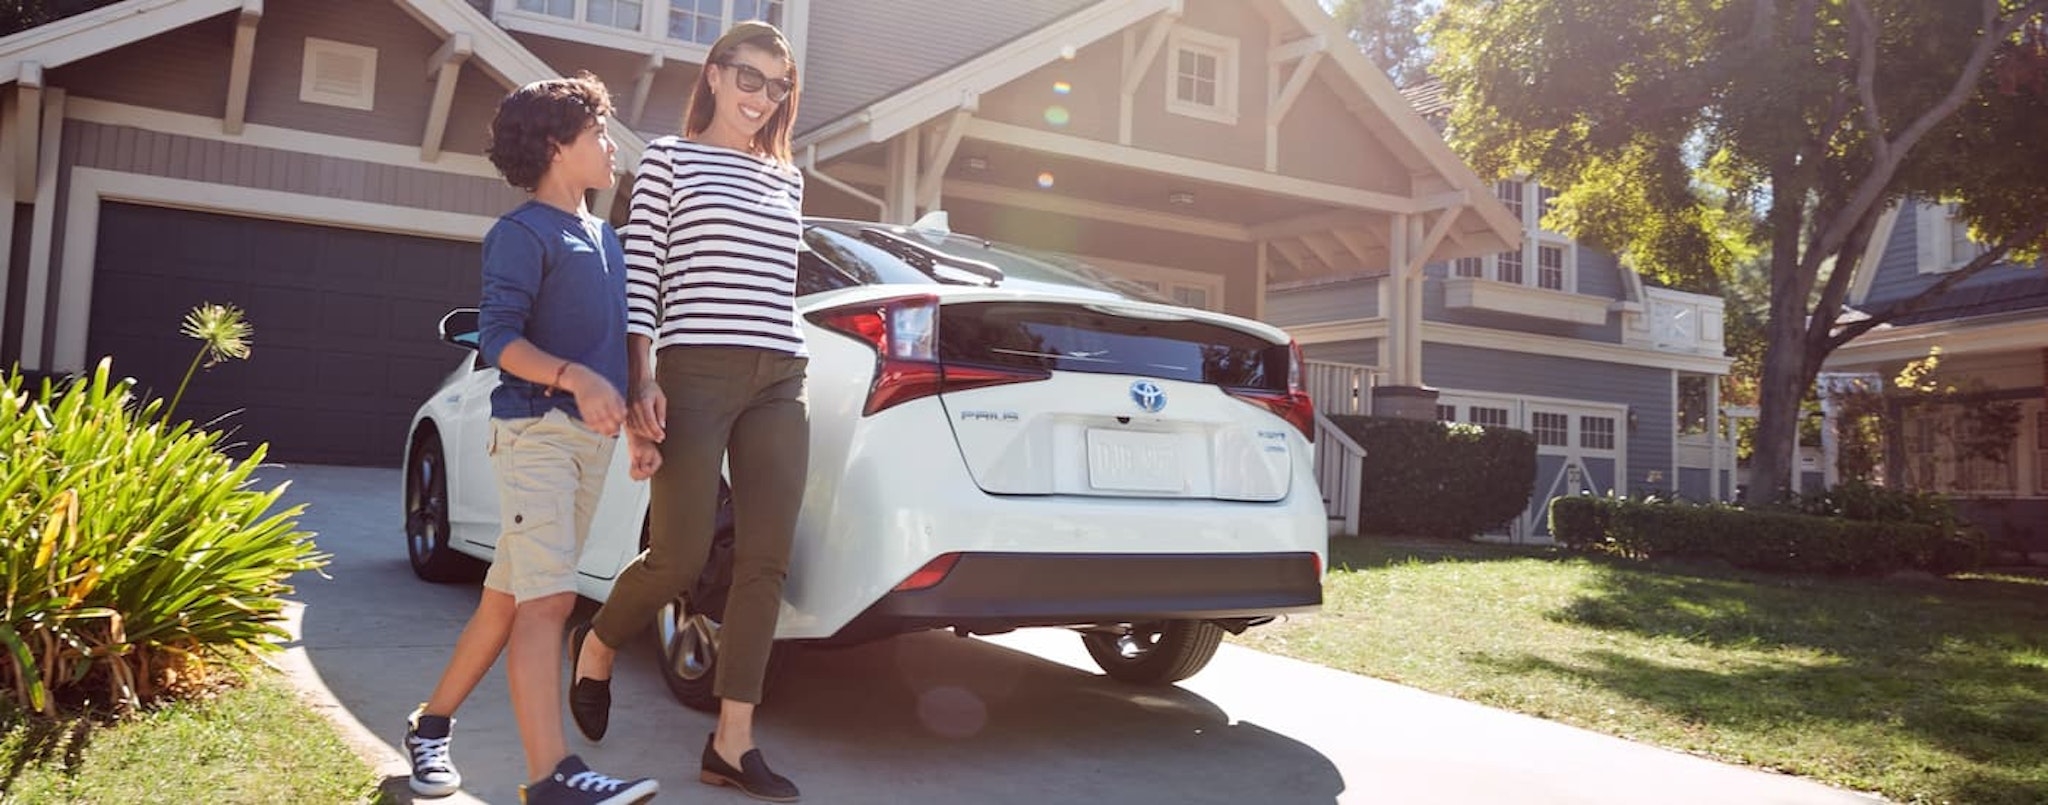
(1925, 690)
(255, 744)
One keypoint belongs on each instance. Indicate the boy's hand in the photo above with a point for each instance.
(643, 456)
(647, 411)
(602, 407)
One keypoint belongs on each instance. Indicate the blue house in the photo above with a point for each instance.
(1617, 380)
(1992, 333)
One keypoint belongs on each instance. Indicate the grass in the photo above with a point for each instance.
(1923, 690)
(258, 743)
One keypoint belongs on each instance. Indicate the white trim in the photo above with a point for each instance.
(2023, 330)
(64, 41)
(1138, 59)
(1873, 256)
(512, 18)
(443, 68)
(1061, 205)
(7, 198)
(238, 66)
(90, 187)
(912, 106)
(1511, 341)
(109, 113)
(1097, 151)
(43, 231)
(364, 57)
(1224, 49)
(27, 150)
(1524, 300)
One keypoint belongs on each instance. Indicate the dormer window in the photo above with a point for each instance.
(679, 29)
(1201, 75)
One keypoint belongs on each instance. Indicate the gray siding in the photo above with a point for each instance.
(872, 48)
(1695, 484)
(1898, 272)
(1646, 391)
(402, 95)
(1364, 352)
(184, 70)
(1599, 274)
(1334, 301)
(131, 150)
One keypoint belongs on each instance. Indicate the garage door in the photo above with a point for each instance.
(344, 344)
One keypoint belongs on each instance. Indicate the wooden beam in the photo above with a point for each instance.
(1432, 240)
(1356, 243)
(7, 197)
(1312, 222)
(28, 128)
(1262, 278)
(1326, 249)
(1299, 48)
(932, 176)
(238, 66)
(1138, 63)
(43, 227)
(1042, 201)
(644, 85)
(443, 68)
(1277, 110)
(1305, 264)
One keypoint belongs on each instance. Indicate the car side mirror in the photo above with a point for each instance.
(460, 328)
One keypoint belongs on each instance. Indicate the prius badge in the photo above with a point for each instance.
(1148, 395)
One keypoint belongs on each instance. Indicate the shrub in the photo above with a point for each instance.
(1766, 539)
(1443, 480)
(134, 550)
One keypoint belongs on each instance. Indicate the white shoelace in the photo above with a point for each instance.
(594, 782)
(430, 754)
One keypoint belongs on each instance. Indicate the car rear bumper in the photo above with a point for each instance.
(994, 592)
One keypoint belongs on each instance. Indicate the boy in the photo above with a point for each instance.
(553, 320)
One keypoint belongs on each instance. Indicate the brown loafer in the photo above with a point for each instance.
(753, 778)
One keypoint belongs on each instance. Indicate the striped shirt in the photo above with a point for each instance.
(711, 246)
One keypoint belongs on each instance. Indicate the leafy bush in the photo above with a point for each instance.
(1765, 539)
(133, 549)
(1437, 479)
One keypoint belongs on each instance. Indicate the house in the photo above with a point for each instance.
(1992, 332)
(319, 164)
(1618, 380)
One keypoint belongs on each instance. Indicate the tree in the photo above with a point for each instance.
(1389, 32)
(1817, 115)
(21, 15)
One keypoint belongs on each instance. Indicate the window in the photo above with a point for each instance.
(1919, 437)
(1993, 470)
(1510, 193)
(566, 9)
(1944, 239)
(1469, 267)
(1552, 430)
(696, 21)
(1550, 267)
(1446, 413)
(1489, 417)
(1544, 196)
(2041, 457)
(339, 74)
(769, 11)
(1508, 267)
(1202, 76)
(1596, 432)
(614, 13)
(1191, 297)
(1695, 395)
(1962, 248)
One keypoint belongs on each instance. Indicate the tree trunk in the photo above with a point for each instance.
(1773, 455)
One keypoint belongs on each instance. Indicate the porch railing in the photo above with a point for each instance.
(1340, 470)
(1341, 388)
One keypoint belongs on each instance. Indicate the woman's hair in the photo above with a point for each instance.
(540, 117)
(773, 139)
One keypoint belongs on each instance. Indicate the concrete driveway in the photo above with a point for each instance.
(1021, 718)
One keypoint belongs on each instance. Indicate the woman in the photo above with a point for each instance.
(711, 251)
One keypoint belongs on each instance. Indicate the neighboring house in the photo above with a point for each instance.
(318, 163)
(1992, 330)
(1617, 380)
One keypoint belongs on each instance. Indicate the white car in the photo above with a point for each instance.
(999, 439)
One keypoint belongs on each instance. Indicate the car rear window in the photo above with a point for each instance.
(839, 243)
(1081, 338)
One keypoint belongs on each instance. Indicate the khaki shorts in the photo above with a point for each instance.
(550, 472)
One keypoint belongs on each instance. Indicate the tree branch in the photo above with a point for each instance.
(1829, 308)
(1863, 28)
(1990, 257)
(1873, 185)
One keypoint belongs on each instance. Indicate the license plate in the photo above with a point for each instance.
(1128, 461)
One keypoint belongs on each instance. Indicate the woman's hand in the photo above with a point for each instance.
(647, 410)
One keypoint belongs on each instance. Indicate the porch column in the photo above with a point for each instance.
(1714, 439)
(1406, 398)
(899, 190)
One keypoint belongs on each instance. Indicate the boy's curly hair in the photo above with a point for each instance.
(537, 118)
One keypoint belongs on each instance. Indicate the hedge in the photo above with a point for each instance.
(1440, 479)
(1781, 540)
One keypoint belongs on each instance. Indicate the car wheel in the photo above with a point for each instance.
(426, 518)
(1154, 653)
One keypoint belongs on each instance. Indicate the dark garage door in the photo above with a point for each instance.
(344, 343)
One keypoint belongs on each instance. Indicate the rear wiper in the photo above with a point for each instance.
(927, 259)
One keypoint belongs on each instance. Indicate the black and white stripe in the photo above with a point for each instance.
(711, 248)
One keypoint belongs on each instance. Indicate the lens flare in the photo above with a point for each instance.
(1045, 180)
(1067, 52)
(1057, 116)
(1061, 88)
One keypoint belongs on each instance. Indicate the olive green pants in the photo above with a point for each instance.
(744, 403)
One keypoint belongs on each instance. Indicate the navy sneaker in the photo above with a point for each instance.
(573, 783)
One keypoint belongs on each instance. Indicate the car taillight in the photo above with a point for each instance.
(1294, 404)
(931, 574)
(904, 332)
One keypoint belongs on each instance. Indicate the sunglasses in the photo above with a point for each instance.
(749, 79)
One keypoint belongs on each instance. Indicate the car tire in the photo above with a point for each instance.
(1154, 653)
(426, 517)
